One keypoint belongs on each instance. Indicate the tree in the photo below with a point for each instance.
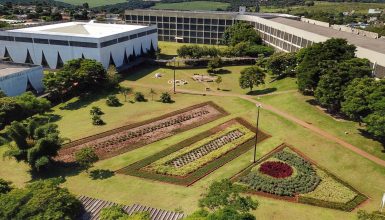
(95, 110)
(116, 212)
(86, 157)
(315, 60)
(218, 81)
(125, 91)
(33, 142)
(166, 98)
(214, 64)
(375, 124)
(152, 93)
(330, 88)
(5, 186)
(43, 199)
(282, 64)
(112, 77)
(241, 32)
(224, 201)
(139, 97)
(112, 101)
(251, 76)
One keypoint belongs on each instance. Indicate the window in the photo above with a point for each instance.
(58, 42)
(133, 36)
(7, 38)
(172, 19)
(40, 41)
(152, 18)
(179, 20)
(186, 20)
(23, 39)
(83, 44)
(108, 43)
(122, 39)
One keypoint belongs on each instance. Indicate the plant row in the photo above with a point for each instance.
(136, 169)
(163, 165)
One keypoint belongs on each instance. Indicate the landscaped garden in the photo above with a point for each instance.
(188, 161)
(123, 139)
(285, 173)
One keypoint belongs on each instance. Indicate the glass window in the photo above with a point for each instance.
(23, 39)
(60, 42)
(40, 41)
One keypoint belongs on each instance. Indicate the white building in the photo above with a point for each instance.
(53, 45)
(16, 79)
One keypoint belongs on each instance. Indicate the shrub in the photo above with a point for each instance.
(5, 186)
(86, 157)
(95, 110)
(139, 97)
(113, 101)
(166, 98)
(97, 120)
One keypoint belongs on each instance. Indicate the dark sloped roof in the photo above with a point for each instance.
(93, 206)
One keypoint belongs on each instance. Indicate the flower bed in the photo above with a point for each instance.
(163, 166)
(307, 183)
(120, 140)
(276, 169)
(190, 158)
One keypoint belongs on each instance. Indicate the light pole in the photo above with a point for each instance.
(256, 134)
(174, 75)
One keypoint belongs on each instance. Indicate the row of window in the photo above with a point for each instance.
(126, 38)
(191, 33)
(75, 43)
(192, 27)
(147, 18)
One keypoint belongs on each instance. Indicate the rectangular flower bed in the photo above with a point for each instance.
(194, 158)
(285, 173)
(126, 138)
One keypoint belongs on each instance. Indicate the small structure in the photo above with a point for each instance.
(203, 78)
(16, 78)
(374, 11)
(93, 207)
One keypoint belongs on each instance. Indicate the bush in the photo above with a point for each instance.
(95, 110)
(166, 98)
(97, 120)
(86, 157)
(5, 186)
(139, 97)
(113, 101)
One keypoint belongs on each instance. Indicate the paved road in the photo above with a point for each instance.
(290, 117)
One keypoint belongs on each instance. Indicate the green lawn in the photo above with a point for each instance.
(330, 7)
(74, 122)
(93, 3)
(193, 6)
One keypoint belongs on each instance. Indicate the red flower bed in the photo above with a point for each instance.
(276, 169)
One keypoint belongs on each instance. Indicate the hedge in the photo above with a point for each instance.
(135, 168)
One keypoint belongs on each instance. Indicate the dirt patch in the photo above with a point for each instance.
(117, 141)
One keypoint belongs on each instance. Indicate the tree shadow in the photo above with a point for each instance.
(222, 71)
(262, 91)
(336, 115)
(368, 135)
(137, 73)
(101, 174)
(57, 169)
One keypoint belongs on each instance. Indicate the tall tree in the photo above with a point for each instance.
(314, 61)
(241, 32)
(33, 143)
(282, 64)
(251, 76)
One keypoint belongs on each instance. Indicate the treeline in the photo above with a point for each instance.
(338, 80)
(121, 7)
(37, 2)
(242, 41)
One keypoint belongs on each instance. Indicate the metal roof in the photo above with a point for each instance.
(93, 207)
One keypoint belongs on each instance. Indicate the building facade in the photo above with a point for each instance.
(52, 45)
(284, 32)
(16, 78)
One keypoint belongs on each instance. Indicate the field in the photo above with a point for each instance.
(74, 122)
(93, 3)
(192, 6)
(330, 7)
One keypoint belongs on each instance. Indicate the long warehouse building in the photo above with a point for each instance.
(52, 45)
(284, 32)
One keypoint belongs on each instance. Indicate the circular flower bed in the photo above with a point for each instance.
(276, 169)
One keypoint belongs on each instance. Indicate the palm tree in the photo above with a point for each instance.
(125, 91)
(152, 93)
(33, 142)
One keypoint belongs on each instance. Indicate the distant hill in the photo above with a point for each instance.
(34, 2)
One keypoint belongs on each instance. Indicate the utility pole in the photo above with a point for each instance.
(256, 134)
(174, 75)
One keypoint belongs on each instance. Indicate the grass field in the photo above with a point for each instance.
(93, 3)
(330, 7)
(74, 122)
(193, 6)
